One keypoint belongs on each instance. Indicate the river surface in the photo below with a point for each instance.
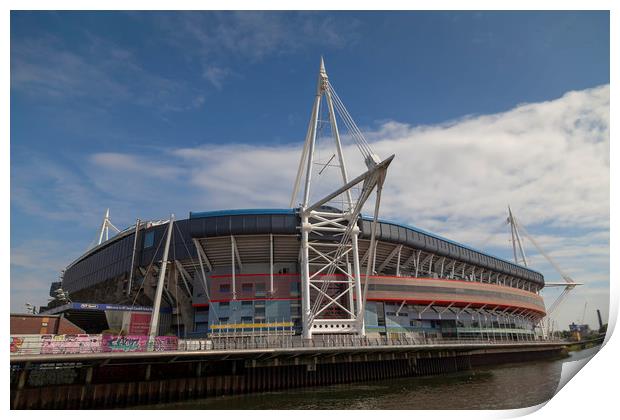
(499, 387)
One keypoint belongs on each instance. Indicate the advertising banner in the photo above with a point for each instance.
(139, 323)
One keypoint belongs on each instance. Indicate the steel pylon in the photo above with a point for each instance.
(331, 280)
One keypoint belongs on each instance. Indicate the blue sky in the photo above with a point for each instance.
(130, 110)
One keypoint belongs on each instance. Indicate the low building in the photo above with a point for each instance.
(42, 324)
(579, 331)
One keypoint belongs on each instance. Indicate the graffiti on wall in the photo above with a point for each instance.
(166, 343)
(70, 344)
(115, 343)
(26, 344)
(16, 344)
(84, 343)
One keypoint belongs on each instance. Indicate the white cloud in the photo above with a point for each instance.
(549, 161)
(144, 168)
(216, 75)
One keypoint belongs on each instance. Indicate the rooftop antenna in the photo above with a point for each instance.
(332, 298)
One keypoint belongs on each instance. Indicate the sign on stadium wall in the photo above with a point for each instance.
(139, 323)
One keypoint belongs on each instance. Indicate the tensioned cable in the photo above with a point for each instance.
(348, 120)
(347, 117)
(565, 276)
(350, 129)
(205, 284)
(492, 235)
(147, 271)
(176, 283)
(359, 141)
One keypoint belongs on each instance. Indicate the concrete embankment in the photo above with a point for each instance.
(116, 380)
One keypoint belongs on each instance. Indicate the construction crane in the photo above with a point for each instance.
(568, 284)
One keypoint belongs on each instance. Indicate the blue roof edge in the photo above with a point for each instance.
(235, 212)
(434, 235)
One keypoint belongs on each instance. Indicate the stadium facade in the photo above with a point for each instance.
(423, 284)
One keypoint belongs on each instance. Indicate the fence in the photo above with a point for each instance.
(84, 343)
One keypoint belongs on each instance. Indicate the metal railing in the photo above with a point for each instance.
(32, 344)
(345, 341)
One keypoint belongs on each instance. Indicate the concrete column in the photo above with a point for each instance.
(89, 375)
(23, 376)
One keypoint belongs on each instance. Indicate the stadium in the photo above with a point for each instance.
(423, 284)
(316, 267)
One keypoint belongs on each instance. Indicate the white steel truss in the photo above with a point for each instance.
(332, 303)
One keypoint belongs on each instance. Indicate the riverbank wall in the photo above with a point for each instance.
(119, 380)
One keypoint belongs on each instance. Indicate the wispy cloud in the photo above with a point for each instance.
(549, 161)
(255, 35)
(216, 46)
(216, 39)
(216, 75)
(99, 71)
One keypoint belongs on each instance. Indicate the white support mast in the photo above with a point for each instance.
(104, 230)
(160, 287)
(516, 239)
(133, 258)
(332, 299)
(568, 284)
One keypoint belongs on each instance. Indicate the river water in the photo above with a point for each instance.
(499, 387)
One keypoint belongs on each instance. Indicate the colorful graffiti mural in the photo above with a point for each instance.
(70, 344)
(114, 343)
(84, 343)
(16, 344)
(26, 344)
